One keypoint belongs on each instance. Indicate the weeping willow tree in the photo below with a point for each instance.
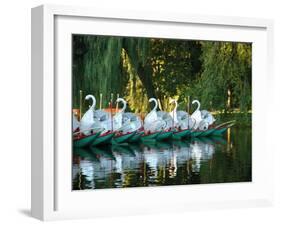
(96, 66)
(226, 80)
(135, 92)
(106, 64)
(217, 73)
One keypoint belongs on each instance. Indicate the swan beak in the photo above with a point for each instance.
(87, 97)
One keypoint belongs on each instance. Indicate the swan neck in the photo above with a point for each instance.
(124, 106)
(92, 107)
(176, 106)
(156, 105)
(198, 107)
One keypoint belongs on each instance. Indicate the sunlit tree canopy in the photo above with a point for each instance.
(216, 73)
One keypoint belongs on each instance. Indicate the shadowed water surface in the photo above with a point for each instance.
(189, 161)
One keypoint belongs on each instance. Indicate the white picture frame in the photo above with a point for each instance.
(52, 197)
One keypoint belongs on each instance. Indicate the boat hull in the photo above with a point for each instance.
(85, 141)
(150, 136)
(136, 137)
(219, 132)
(103, 139)
(180, 134)
(207, 133)
(164, 135)
(196, 133)
(123, 138)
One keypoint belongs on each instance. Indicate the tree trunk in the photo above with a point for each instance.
(145, 75)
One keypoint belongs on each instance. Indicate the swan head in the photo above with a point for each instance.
(89, 96)
(124, 103)
(156, 103)
(152, 99)
(195, 101)
(198, 105)
(120, 100)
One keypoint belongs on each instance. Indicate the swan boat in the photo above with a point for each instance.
(97, 127)
(84, 141)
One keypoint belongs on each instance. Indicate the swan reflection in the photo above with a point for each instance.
(150, 164)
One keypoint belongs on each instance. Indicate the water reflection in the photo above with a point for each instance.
(204, 160)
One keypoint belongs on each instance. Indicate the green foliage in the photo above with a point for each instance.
(93, 70)
(218, 74)
(135, 93)
(176, 64)
(225, 82)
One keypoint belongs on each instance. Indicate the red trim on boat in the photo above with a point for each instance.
(105, 134)
(123, 134)
(80, 138)
(148, 134)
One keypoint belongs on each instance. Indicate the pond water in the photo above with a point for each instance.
(190, 161)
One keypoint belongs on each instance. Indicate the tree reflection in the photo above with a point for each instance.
(193, 161)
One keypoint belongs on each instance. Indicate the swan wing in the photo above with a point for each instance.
(173, 114)
(207, 117)
(203, 125)
(87, 121)
(166, 117)
(197, 117)
(151, 117)
(117, 121)
(155, 126)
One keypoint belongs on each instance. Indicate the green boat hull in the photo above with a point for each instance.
(123, 138)
(136, 137)
(85, 141)
(219, 132)
(150, 136)
(180, 134)
(164, 135)
(207, 133)
(103, 139)
(196, 133)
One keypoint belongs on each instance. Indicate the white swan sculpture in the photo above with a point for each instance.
(117, 118)
(87, 121)
(167, 118)
(126, 121)
(152, 122)
(181, 119)
(196, 115)
(184, 120)
(131, 122)
(203, 119)
(208, 117)
(94, 120)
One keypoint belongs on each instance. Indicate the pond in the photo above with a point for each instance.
(191, 161)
